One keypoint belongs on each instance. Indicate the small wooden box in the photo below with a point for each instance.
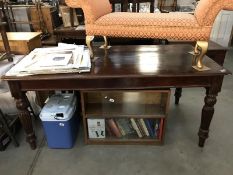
(22, 42)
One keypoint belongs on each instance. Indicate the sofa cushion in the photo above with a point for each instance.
(174, 19)
(173, 33)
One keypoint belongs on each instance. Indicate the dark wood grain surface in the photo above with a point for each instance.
(138, 61)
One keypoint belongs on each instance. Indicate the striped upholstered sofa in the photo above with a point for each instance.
(101, 21)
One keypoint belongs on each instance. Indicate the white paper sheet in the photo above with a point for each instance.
(65, 58)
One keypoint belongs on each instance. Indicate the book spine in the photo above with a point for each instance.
(140, 127)
(120, 128)
(149, 126)
(110, 134)
(114, 127)
(161, 128)
(156, 130)
(144, 127)
(135, 127)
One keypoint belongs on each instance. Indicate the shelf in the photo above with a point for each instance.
(124, 129)
(125, 116)
(126, 110)
(125, 138)
(122, 142)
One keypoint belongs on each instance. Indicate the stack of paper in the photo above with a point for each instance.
(65, 58)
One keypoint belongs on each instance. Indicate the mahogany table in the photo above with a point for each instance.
(128, 67)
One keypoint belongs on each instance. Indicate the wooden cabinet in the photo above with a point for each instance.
(48, 14)
(125, 117)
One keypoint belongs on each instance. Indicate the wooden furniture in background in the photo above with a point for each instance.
(7, 50)
(167, 5)
(69, 16)
(70, 33)
(128, 68)
(22, 42)
(47, 14)
(6, 130)
(124, 4)
(135, 5)
(142, 106)
(35, 18)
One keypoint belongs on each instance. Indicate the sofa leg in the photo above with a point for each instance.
(89, 45)
(105, 42)
(105, 45)
(200, 51)
(196, 52)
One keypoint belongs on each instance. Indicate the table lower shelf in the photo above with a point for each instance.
(123, 142)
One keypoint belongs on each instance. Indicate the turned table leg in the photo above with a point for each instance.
(25, 116)
(22, 105)
(208, 110)
(177, 95)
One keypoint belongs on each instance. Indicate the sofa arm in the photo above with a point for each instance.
(74, 3)
(207, 10)
(93, 9)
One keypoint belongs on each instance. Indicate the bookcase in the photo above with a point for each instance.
(125, 117)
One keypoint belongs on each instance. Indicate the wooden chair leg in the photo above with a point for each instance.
(89, 40)
(7, 129)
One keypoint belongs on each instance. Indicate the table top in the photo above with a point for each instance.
(138, 61)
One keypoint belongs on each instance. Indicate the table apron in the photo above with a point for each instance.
(114, 83)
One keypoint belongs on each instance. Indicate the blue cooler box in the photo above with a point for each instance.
(59, 121)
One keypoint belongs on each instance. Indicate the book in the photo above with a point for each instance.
(134, 125)
(96, 128)
(140, 127)
(150, 128)
(156, 128)
(108, 131)
(143, 125)
(120, 128)
(161, 129)
(126, 125)
(113, 127)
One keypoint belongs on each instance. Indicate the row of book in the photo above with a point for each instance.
(142, 128)
(125, 127)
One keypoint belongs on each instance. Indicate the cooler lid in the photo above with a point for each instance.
(59, 107)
